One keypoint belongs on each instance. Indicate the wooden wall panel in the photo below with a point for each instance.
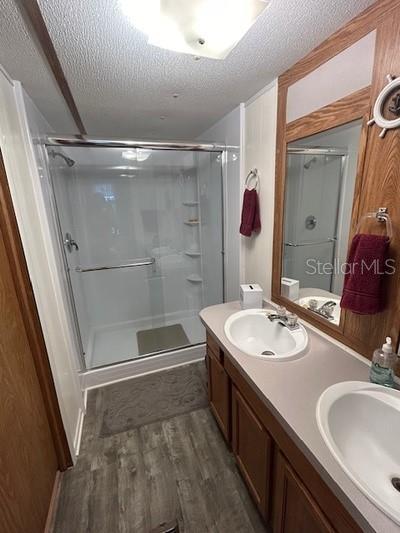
(381, 188)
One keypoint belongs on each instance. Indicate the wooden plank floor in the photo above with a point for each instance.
(178, 469)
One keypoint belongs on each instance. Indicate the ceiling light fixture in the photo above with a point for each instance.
(207, 28)
(138, 154)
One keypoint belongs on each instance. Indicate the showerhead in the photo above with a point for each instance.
(70, 162)
(310, 162)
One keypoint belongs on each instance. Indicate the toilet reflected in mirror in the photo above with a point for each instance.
(319, 188)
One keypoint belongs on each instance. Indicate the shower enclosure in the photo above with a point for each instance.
(313, 195)
(141, 227)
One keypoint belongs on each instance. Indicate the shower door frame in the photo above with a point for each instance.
(336, 152)
(79, 141)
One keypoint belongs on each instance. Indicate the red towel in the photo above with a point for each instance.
(363, 291)
(250, 213)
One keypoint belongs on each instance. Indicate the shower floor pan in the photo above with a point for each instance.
(118, 343)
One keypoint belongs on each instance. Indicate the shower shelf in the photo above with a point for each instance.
(189, 223)
(190, 204)
(192, 254)
(194, 279)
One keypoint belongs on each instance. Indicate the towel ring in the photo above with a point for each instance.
(253, 174)
(381, 215)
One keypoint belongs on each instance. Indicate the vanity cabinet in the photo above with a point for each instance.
(288, 491)
(252, 447)
(295, 508)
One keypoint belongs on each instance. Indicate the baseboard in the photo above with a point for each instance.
(93, 379)
(51, 514)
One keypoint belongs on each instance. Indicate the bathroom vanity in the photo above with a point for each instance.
(266, 411)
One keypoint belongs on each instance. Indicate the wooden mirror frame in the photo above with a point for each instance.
(353, 107)
(381, 16)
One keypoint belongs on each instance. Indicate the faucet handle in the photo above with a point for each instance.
(312, 304)
(292, 319)
(281, 311)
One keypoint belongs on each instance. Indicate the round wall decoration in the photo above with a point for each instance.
(387, 92)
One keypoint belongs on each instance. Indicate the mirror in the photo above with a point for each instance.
(319, 188)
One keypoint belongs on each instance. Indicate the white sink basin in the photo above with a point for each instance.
(360, 423)
(253, 333)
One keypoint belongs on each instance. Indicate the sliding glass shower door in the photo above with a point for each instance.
(143, 237)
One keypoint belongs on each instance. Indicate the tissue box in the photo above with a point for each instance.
(251, 296)
(290, 288)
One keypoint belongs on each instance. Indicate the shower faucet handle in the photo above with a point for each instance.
(69, 243)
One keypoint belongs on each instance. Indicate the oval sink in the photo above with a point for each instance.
(253, 333)
(360, 423)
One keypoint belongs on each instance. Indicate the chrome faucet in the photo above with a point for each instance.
(326, 309)
(288, 320)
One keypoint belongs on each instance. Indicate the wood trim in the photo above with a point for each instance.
(51, 515)
(32, 14)
(346, 36)
(26, 299)
(377, 169)
(223, 417)
(280, 170)
(352, 107)
(213, 346)
(349, 108)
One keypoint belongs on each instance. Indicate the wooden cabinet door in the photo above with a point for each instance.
(296, 511)
(252, 447)
(219, 394)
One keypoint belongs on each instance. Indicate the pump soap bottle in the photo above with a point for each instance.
(383, 364)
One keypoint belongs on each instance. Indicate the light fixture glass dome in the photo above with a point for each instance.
(208, 28)
(136, 154)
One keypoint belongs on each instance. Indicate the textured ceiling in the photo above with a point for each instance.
(122, 85)
(21, 59)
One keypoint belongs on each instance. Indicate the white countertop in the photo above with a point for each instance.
(291, 390)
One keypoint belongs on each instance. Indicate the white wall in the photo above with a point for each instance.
(259, 152)
(228, 131)
(25, 184)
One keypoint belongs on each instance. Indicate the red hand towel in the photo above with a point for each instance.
(250, 213)
(363, 291)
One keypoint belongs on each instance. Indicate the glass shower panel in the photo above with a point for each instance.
(312, 199)
(142, 231)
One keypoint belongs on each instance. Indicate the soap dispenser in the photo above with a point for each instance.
(383, 364)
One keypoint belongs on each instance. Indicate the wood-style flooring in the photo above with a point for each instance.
(175, 470)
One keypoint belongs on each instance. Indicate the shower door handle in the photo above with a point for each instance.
(69, 243)
(139, 263)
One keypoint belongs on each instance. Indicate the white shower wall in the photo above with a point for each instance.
(332, 215)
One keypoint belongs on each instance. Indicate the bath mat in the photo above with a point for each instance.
(159, 396)
(161, 339)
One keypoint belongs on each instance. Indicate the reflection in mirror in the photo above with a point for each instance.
(320, 180)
